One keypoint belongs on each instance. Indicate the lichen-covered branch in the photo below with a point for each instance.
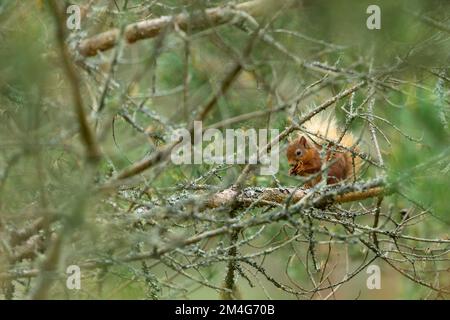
(273, 196)
(151, 28)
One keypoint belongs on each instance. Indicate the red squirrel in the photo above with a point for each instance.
(306, 158)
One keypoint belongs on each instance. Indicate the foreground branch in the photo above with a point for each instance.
(255, 196)
(88, 136)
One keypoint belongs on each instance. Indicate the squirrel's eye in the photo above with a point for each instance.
(298, 152)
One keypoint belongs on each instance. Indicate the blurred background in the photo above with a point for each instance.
(59, 207)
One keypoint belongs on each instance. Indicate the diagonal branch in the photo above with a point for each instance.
(85, 130)
(151, 28)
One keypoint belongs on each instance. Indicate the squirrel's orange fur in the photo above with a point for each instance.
(306, 158)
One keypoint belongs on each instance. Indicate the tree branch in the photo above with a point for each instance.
(151, 28)
(87, 135)
(272, 196)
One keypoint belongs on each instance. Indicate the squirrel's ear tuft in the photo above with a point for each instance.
(302, 140)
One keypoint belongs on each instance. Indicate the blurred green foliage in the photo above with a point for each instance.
(42, 159)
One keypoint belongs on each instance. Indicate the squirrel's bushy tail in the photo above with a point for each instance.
(323, 128)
